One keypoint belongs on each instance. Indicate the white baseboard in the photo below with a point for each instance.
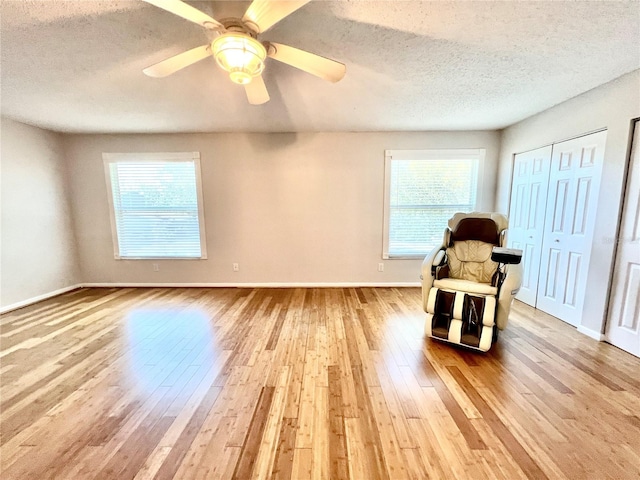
(255, 285)
(45, 296)
(591, 333)
(39, 298)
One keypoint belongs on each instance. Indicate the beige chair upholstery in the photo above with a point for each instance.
(467, 289)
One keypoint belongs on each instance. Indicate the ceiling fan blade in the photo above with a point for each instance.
(178, 62)
(309, 62)
(256, 90)
(266, 13)
(187, 12)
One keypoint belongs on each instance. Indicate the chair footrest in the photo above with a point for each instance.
(462, 306)
(478, 337)
(461, 318)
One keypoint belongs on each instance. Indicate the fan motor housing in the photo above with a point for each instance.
(236, 25)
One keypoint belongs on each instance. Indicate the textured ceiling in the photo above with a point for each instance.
(76, 66)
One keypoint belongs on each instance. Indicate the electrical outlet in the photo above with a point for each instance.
(156, 267)
(381, 267)
(236, 267)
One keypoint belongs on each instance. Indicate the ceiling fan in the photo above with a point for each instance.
(237, 50)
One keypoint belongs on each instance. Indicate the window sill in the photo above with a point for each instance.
(160, 258)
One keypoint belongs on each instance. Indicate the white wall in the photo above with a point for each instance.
(611, 106)
(38, 249)
(289, 208)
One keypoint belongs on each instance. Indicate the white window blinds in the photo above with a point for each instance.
(424, 188)
(156, 205)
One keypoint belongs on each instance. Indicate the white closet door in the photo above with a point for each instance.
(526, 215)
(574, 184)
(623, 326)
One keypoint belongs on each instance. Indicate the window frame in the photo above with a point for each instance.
(156, 157)
(424, 155)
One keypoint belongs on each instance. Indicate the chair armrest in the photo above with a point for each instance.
(438, 260)
(427, 271)
(508, 256)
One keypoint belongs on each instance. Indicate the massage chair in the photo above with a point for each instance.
(469, 282)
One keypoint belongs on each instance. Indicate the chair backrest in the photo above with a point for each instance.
(471, 239)
(482, 229)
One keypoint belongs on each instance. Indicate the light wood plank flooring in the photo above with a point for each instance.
(303, 383)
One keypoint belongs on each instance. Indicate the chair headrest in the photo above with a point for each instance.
(485, 227)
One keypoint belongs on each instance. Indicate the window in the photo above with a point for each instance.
(156, 205)
(423, 189)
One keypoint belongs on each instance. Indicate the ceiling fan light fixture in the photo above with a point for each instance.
(240, 55)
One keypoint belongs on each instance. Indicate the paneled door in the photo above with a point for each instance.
(526, 215)
(574, 184)
(623, 325)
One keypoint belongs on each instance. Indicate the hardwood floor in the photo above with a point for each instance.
(303, 383)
